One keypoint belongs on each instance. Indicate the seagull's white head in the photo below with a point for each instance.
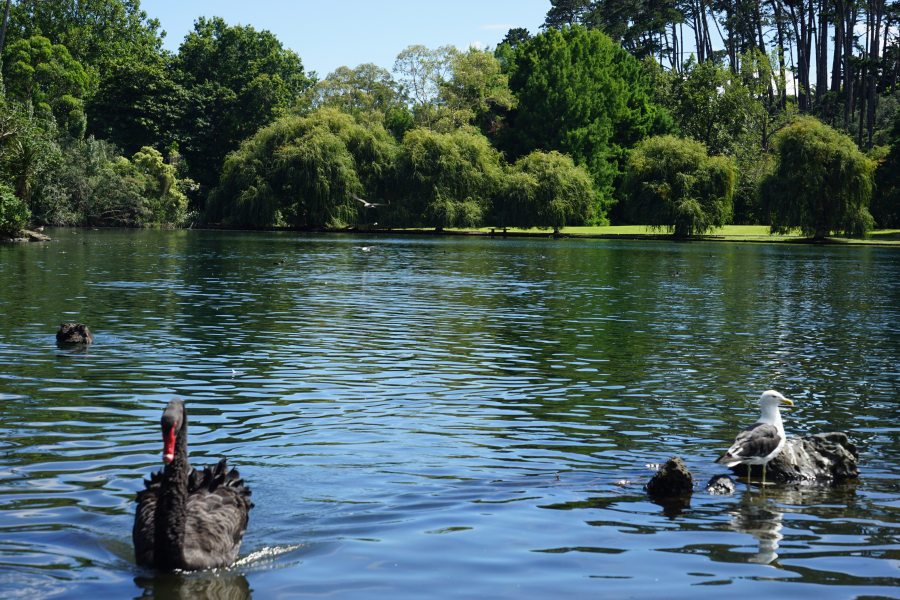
(772, 399)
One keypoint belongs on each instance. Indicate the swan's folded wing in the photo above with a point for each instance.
(217, 515)
(144, 520)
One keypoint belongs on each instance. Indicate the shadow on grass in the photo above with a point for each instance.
(886, 235)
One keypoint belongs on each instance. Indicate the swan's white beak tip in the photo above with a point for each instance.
(167, 458)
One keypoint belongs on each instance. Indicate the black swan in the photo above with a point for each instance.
(186, 519)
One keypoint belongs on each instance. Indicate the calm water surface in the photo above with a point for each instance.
(447, 417)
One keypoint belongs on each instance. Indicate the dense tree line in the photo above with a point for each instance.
(99, 114)
(853, 41)
(837, 60)
(617, 110)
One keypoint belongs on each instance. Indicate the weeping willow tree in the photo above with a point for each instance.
(545, 189)
(822, 183)
(671, 183)
(447, 179)
(301, 171)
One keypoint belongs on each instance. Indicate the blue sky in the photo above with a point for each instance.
(330, 33)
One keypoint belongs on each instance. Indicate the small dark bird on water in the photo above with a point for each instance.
(366, 204)
(278, 263)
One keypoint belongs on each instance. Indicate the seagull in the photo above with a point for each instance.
(366, 204)
(40, 229)
(762, 441)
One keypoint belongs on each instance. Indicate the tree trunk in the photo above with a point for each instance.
(849, 22)
(876, 11)
(822, 54)
(708, 38)
(884, 54)
(3, 28)
(862, 100)
(896, 72)
(801, 36)
(779, 25)
(838, 46)
(758, 19)
(729, 43)
(698, 32)
(809, 51)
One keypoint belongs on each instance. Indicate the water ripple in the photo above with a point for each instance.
(478, 422)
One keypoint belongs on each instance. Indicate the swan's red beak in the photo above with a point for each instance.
(169, 444)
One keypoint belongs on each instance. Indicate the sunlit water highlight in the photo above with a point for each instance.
(447, 417)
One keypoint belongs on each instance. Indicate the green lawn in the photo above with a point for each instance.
(756, 231)
(729, 232)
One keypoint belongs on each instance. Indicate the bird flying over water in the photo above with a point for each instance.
(762, 441)
(366, 204)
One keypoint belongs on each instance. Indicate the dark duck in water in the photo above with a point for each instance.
(188, 519)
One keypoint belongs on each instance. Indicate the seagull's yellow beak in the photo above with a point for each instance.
(786, 401)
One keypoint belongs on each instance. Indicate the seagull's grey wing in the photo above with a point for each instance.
(758, 440)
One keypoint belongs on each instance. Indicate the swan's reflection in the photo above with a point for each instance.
(757, 515)
(229, 584)
(197, 586)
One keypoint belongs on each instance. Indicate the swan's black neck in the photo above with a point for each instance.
(171, 507)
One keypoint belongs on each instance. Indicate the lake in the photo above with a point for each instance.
(448, 417)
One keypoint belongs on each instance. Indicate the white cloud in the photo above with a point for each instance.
(477, 45)
(500, 27)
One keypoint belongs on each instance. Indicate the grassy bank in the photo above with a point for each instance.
(730, 233)
(737, 233)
